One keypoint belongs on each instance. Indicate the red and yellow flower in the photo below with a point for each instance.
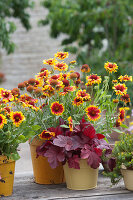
(93, 113)
(61, 55)
(77, 101)
(84, 95)
(121, 115)
(93, 79)
(46, 135)
(114, 81)
(61, 66)
(57, 108)
(111, 67)
(42, 75)
(125, 98)
(120, 89)
(85, 68)
(125, 78)
(17, 118)
(70, 123)
(73, 62)
(6, 95)
(3, 121)
(50, 61)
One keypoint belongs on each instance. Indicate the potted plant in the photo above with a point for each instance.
(79, 148)
(120, 161)
(12, 124)
(51, 95)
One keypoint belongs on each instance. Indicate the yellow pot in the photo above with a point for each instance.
(81, 179)
(7, 168)
(43, 173)
(128, 178)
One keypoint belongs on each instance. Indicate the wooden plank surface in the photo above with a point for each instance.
(25, 188)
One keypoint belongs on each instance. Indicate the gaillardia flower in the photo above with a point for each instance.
(50, 61)
(93, 113)
(111, 67)
(3, 120)
(125, 78)
(85, 68)
(84, 95)
(56, 108)
(125, 98)
(93, 79)
(61, 55)
(70, 123)
(6, 95)
(77, 101)
(46, 135)
(121, 116)
(61, 66)
(17, 118)
(120, 89)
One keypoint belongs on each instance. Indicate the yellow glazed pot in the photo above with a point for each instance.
(7, 168)
(81, 179)
(128, 178)
(43, 173)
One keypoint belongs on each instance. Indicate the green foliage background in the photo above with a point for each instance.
(9, 9)
(88, 24)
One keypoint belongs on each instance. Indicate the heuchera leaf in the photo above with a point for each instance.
(69, 143)
(100, 136)
(73, 162)
(54, 155)
(93, 159)
(89, 131)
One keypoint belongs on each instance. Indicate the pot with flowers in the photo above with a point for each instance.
(54, 95)
(79, 148)
(12, 124)
(120, 162)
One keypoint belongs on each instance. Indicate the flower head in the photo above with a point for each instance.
(85, 68)
(77, 101)
(93, 79)
(61, 55)
(46, 135)
(84, 95)
(50, 61)
(125, 98)
(73, 62)
(93, 113)
(56, 108)
(61, 66)
(125, 78)
(70, 123)
(121, 116)
(3, 120)
(111, 67)
(6, 95)
(17, 118)
(120, 89)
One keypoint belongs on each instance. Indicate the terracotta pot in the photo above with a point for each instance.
(81, 179)
(43, 173)
(7, 168)
(128, 178)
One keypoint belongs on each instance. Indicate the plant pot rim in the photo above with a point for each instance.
(5, 160)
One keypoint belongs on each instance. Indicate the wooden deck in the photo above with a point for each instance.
(26, 189)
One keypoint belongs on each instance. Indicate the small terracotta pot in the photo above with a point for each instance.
(7, 168)
(43, 173)
(81, 179)
(128, 178)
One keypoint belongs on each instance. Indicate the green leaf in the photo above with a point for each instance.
(124, 126)
(117, 130)
(15, 156)
(64, 126)
(35, 127)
